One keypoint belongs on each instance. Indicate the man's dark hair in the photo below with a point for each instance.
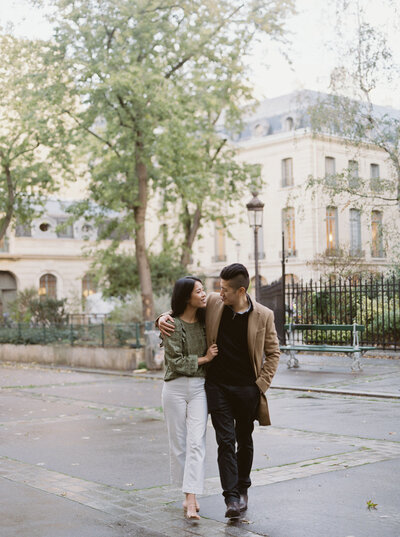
(237, 275)
(181, 295)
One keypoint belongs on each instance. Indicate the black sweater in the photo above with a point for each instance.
(232, 366)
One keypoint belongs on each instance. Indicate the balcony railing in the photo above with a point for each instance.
(288, 253)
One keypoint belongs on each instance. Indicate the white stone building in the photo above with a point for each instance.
(278, 138)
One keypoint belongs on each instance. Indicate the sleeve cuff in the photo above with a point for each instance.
(193, 364)
(262, 384)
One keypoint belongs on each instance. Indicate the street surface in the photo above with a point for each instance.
(85, 454)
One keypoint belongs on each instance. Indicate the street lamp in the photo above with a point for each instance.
(255, 213)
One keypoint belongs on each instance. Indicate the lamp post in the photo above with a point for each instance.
(255, 213)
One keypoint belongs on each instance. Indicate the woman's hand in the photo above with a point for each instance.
(212, 352)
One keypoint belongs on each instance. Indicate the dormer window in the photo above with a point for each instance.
(259, 130)
(289, 124)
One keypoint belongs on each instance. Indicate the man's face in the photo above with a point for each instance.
(228, 294)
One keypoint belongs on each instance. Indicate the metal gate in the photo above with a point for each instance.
(272, 297)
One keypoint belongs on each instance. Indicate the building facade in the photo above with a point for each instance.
(278, 138)
(53, 261)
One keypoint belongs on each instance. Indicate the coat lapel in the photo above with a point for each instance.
(254, 319)
(214, 310)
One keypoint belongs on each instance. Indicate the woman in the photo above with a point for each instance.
(183, 396)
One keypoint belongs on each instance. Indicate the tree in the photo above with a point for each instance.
(341, 263)
(367, 61)
(200, 175)
(118, 275)
(34, 152)
(133, 63)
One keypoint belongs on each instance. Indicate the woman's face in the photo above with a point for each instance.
(198, 296)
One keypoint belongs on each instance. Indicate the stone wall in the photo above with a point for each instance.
(120, 359)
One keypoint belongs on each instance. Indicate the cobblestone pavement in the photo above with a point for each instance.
(85, 398)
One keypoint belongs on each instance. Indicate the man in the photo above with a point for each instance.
(237, 379)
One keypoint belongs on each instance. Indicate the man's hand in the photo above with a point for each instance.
(165, 326)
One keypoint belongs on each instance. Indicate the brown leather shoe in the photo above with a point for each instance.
(243, 502)
(232, 510)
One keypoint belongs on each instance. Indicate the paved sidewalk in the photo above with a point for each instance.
(85, 454)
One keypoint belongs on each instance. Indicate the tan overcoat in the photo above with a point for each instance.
(262, 341)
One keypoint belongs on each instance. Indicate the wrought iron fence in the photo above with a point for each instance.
(374, 303)
(93, 334)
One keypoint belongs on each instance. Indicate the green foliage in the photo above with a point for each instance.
(145, 68)
(25, 334)
(371, 505)
(46, 310)
(20, 308)
(130, 310)
(34, 143)
(28, 307)
(374, 304)
(380, 316)
(120, 273)
(96, 335)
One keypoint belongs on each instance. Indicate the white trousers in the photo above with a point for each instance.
(185, 408)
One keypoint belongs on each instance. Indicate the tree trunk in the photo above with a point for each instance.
(5, 221)
(191, 230)
(142, 260)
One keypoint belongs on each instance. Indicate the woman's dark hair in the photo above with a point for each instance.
(181, 295)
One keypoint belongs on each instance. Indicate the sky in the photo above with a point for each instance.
(310, 31)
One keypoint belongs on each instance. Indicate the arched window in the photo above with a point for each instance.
(291, 279)
(89, 286)
(48, 286)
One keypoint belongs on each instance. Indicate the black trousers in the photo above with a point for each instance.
(233, 410)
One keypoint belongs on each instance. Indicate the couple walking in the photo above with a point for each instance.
(221, 354)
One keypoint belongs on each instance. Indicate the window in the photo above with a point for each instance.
(353, 174)
(44, 227)
(289, 124)
(87, 232)
(374, 176)
(259, 130)
(89, 286)
(48, 286)
(287, 172)
(355, 232)
(331, 229)
(330, 170)
(219, 242)
(377, 236)
(66, 231)
(288, 226)
(109, 230)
